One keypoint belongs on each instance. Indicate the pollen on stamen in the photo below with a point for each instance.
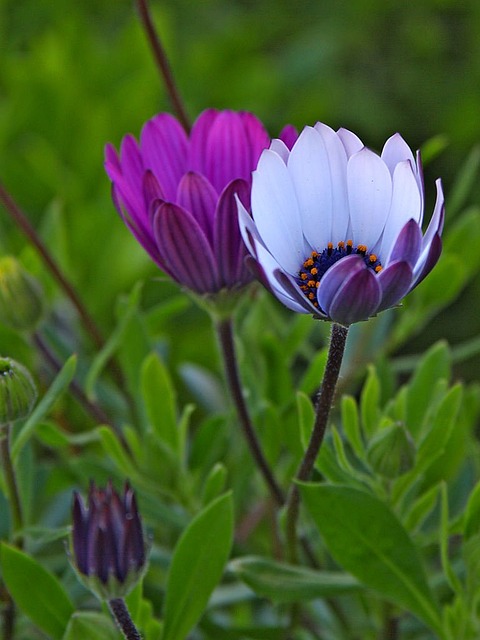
(314, 271)
(378, 268)
(373, 257)
(362, 248)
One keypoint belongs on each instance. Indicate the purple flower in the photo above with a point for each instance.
(336, 229)
(107, 540)
(176, 194)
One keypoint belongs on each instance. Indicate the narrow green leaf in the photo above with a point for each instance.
(452, 578)
(312, 378)
(306, 417)
(442, 425)
(434, 366)
(421, 508)
(36, 591)
(340, 452)
(351, 425)
(471, 522)
(91, 625)
(159, 397)
(466, 178)
(57, 387)
(368, 540)
(114, 341)
(114, 450)
(197, 566)
(287, 583)
(215, 483)
(369, 402)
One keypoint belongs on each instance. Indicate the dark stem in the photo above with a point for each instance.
(122, 616)
(225, 335)
(338, 338)
(162, 63)
(97, 413)
(8, 614)
(29, 231)
(11, 485)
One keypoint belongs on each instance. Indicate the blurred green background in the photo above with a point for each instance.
(76, 75)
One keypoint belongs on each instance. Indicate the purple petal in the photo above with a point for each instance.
(357, 299)
(256, 139)
(196, 195)
(438, 216)
(424, 267)
(164, 146)
(80, 534)
(335, 277)
(395, 282)
(199, 139)
(227, 154)
(228, 245)
(408, 244)
(184, 248)
(151, 189)
(131, 162)
(288, 135)
(297, 300)
(112, 162)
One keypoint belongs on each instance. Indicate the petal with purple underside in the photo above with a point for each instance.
(396, 150)
(395, 283)
(429, 260)
(183, 246)
(438, 216)
(369, 195)
(288, 135)
(357, 299)
(350, 141)
(291, 290)
(199, 139)
(408, 245)
(336, 277)
(256, 140)
(164, 146)
(197, 196)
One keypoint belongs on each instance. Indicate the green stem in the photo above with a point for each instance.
(338, 338)
(227, 346)
(162, 63)
(122, 616)
(11, 485)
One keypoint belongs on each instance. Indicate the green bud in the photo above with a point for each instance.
(17, 391)
(21, 300)
(391, 451)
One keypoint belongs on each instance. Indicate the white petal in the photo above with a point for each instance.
(406, 204)
(396, 150)
(280, 148)
(350, 141)
(247, 227)
(436, 222)
(338, 174)
(275, 211)
(309, 168)
(369, 194)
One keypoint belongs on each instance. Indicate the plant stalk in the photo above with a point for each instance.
(122, 617)
(11, 485)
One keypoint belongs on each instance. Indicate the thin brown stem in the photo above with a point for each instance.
(122, 616)
(338, 340)
(11, 485)
(227, 346)
(162, 62)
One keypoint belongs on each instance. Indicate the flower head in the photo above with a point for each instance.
(176, 194)
(337, 229)
(18, 392)
(107, 541)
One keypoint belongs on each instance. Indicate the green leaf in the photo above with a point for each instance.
(421, 508)
(114, 450)
(367, 539)
(471, 522)
(159, 396)
(215, 483)
(443, 422)
(288, 583)
(306, 417)
(466, 179)
(452, 578)
(114, 340)
(55, 390)
(351, 425)
(434, 366)
(369, 402)
(91, 625)
(312, 378)
(36, 591)
(197, 567)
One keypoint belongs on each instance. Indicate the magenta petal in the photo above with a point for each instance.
(395, 282)
(164, 146)
(256, 139)
(151, 189)
(227, 151)
(184, 248)
(335, 277)
(291, 289)
(196, 195)
(228, 245)
(357, 299)
(408, 245)
(288, 135)
(131, 161)
(199, 139)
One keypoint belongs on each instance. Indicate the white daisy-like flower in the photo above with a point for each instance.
(336, 229)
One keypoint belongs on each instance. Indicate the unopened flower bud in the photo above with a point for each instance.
(17, 391)
(392, 451)
(21, 301)
(108, 545)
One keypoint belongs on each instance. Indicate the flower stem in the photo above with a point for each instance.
(338, 338)
(162, 63)
(122, 616)
(225, 335)
(11, 485)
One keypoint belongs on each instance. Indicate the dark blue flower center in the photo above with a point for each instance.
(318, 263)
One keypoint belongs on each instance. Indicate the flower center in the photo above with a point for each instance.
(318, 263)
